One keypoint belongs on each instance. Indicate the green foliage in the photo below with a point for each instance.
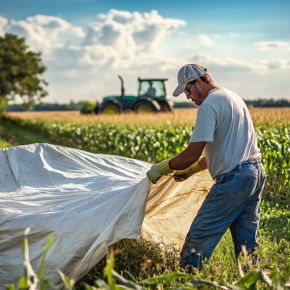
(259, 103)
(20, 71)
(136, 260)
(9, 287)
(268, 103)
(276, 220)
(43, 107)
(147, 143)
(172, 280)
(274, 144)
(30, 280)
(16, 135)
(67, 282)
(3, 105)
(89, 107)
(181, 280)
(4, 143)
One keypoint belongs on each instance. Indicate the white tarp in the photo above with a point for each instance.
(88, 201)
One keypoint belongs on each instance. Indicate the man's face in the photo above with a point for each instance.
(194, 92)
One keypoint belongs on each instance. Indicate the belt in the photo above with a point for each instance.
(253, 160)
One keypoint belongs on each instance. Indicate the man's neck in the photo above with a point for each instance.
(211, 86)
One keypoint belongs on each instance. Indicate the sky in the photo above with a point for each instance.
(85, 44)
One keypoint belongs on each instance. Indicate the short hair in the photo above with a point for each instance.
(205, 78)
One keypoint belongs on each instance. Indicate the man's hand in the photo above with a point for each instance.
(159, 169)
(181, 175)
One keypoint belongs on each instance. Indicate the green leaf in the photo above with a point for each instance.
(126, 283)
(44, 254)
(22, 283)
(249, 281)
(68, 283)
(166, 278)
(108, 271)
(44, 284)
(9, 287)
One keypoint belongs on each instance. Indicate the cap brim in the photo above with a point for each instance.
(179, 90)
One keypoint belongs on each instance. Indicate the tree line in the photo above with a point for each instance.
(77, 106)
(260, 103)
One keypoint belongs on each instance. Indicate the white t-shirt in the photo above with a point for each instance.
(224, 122)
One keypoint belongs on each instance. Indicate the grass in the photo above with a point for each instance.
(35, 279)
(139, 259)
(3, 142)
(11, 134)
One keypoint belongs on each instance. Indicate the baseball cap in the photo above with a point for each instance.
(188, 73)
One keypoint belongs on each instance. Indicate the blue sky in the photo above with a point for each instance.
(244, 44)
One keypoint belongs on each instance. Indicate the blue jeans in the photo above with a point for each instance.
(233, 202)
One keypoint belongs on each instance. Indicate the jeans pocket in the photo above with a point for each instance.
(249, 170)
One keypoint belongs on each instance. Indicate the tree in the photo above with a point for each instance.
(20, 70)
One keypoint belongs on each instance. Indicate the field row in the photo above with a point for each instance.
(187, 117)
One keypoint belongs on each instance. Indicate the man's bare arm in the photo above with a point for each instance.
(188, 156)
(202, 163)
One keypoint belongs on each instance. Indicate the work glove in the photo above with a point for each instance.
(158, 170)
(181, 175)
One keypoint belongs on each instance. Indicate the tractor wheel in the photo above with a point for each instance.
(111, 109)
(165, 106)
(145, 107)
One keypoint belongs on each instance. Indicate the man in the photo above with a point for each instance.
(225, 132)
(151, 92)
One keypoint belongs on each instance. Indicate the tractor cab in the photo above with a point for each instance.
(155, 89)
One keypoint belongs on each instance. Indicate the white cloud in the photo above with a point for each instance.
(3, 24)
(245, 65)
(205, 40)
(45, 33)
(234, 34)
(269, 45)
(122, 39)
(130, 32)
(214, 40)
(118, 42)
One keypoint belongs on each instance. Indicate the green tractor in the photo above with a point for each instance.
(151, 98)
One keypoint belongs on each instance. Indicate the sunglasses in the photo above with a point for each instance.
(188, 87)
